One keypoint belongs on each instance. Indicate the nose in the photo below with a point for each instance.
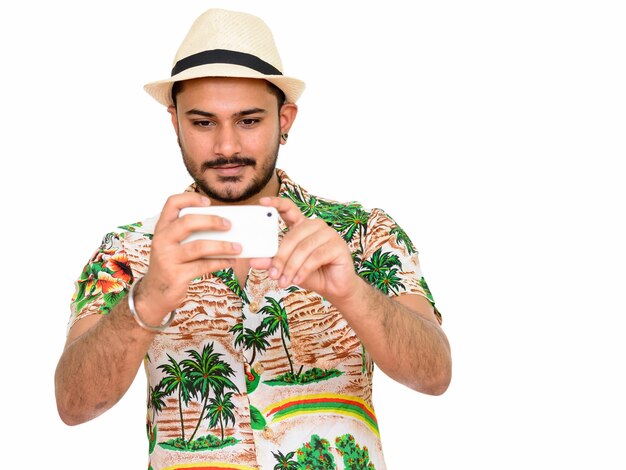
(227, 141)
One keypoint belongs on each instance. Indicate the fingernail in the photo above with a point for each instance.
(225, 222)
(236, 246)
(206, 201)
(273, 273)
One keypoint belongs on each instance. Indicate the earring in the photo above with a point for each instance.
(284, 135)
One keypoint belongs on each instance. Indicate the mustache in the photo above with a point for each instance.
(228, 161)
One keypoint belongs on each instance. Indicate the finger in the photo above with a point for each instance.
(182, 228)
(310, 264)
(292, 242)
(165, 290)
(208, 265)
(175, 203)
(286, 208)
(261, 263)
(199, 249)
(302, 257)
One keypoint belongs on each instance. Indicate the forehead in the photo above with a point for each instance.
(225, 92)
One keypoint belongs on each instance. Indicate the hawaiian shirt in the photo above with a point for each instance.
(260, 377)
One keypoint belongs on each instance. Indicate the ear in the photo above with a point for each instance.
(287, 116)
(174, 117)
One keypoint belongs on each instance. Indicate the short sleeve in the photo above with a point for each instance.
(103, 281)
(389, 259)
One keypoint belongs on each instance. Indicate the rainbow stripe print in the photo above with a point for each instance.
(323, 403)
(210, 466)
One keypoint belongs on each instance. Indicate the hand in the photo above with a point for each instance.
(172, 264)
(311, 255)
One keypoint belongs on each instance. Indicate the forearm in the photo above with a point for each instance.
(407, 346)
(98, 367)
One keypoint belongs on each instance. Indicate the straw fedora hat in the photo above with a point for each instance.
(223, 43)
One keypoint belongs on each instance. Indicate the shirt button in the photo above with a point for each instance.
(254, 307)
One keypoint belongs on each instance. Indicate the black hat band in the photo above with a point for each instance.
(224, 56)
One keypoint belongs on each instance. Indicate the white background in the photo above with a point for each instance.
(493, 131)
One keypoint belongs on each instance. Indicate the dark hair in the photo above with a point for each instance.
(274, 90)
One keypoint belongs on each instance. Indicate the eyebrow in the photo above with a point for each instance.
(239, 114)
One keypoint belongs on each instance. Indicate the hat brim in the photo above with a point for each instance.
(162, 90)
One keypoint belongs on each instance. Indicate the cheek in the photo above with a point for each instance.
(264, 142)
(192, 141)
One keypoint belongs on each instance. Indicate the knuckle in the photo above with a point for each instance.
(171, 199)
(228, 248)
(193, 249)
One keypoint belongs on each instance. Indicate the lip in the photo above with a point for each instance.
(229, 170)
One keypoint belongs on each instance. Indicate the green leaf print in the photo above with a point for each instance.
(228, 276)
(381, 270)
(131, 227)
(285, 462)
(316, 455)
(207, 372)
(354, 457)
(403, 239)
(220, 410)
(276, 319)
(257, 419)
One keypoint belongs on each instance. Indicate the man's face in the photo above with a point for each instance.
(229, 133)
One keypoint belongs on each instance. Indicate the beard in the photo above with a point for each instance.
(231, 192)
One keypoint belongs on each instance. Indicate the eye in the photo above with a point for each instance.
(203, 123)
(249, 122)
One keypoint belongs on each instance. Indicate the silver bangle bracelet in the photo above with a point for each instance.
(140, 322)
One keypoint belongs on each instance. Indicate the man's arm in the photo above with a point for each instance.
(402, 335)
(103, 352)
(100, 360)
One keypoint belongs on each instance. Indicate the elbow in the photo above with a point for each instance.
(68, 418)
(437, 382)
(67, 410)
(441, 374)
(436, 385)
(68, 404)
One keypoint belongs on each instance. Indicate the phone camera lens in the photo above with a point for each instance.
(269, 214)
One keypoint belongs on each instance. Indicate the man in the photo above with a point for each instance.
(251, 363)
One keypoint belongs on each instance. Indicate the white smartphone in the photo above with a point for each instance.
(254, 227)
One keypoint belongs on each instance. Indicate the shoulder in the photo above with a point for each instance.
(134, 237)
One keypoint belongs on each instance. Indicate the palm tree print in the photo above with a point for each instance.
(156, 404)
(156, 395)
(381, 270)
(252, 339)
(350, 220)
(207, 372)
(403, 238)
(285, 462)
(307, 207)
(347, 219)
(238, 330)
(177, 380)
(277, 319)
(256, 340)
(228, 276)
(221, 409)
(429, 296)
